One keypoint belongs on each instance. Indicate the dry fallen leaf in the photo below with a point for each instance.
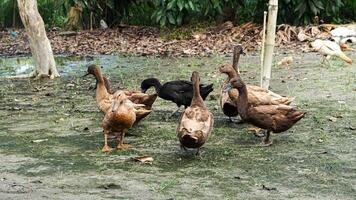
(285, 61)
(143, 159)
(140, 40)
(332, 119)
(302, 37)
(268, 188)
(338, 115)
(39, 140)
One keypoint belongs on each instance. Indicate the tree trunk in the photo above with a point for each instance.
(40, 46)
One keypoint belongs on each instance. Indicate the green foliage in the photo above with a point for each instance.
(248, 10)
(349, 10)
(173, 11)
(180, 12)
(183, 32)
(6, 13)
(306, 10)
(54, 13)
(333, 11)
(139, 13)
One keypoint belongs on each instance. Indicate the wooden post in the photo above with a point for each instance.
(270, 41)
(263, 44)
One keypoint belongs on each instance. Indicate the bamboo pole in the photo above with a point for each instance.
(263, 43)
(270, 41)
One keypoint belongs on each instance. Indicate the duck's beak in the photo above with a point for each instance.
(85, 75)
(143, 90)
(115, 106)
(228, 87)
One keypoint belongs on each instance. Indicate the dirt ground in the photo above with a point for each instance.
(51, 140)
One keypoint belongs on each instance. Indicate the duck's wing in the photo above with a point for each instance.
(196, 119)
(179, 85)
(273, 109)
(180, 92)
(256, 88)
(183, 85)
(274, 114)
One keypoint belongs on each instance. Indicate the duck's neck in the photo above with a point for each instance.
(235, 61)
(242, 101)
(157, 85)
(232, 74)
(197, 100)
(101, 91)
(107, 85)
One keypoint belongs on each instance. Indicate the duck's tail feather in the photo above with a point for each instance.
(149, 100)
(298, 115)
(190, 139)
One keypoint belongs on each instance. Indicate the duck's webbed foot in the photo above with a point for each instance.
(198, 153)
(124, 146)
(120, 140)
(106, 147)
(257, 132)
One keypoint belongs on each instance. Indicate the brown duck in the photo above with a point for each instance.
(118, 119)
(104, 95)
(256, 96)
(134, 96)
(272, 118)
(227, 105)
(196, 122)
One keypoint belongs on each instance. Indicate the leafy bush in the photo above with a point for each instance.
(179, 12)
(173, 11)
(306, 10)
(6, 13)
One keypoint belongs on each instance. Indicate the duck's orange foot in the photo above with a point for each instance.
(256, 131)
(124, 146)
(106, 149)
(267, 143)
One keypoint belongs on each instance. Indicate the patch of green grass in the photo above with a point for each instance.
(314, 159)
